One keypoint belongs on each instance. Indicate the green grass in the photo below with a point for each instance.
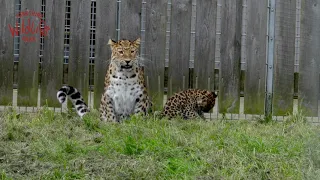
(61, 146)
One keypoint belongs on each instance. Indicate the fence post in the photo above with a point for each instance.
(270, 57)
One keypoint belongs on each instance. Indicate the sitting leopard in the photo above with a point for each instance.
(189, 104)
(125, 92)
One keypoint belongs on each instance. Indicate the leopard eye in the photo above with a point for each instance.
(121, 52)
(132, 52)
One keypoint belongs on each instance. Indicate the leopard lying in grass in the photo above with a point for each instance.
(189, 104)
(125, 92)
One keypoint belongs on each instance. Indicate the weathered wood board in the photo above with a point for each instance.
(254, 85)
(179, 52)
(155, 41)
(28, 67)
(130, 19)
(106, 29)
(78, 72)
(52, 64)
(284, 57)
(205, 41)
(309, 57)
(6, 51)
(229, 91)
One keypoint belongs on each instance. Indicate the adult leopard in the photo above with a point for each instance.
(125, 91)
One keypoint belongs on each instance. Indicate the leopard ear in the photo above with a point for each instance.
(215, 94)
(111, 42)
(137, 41)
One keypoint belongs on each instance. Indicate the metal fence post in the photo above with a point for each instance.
(118, 19)
(270, 57)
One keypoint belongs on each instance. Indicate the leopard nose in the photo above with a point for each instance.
(127, 62)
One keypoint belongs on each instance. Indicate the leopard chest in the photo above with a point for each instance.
(124, 90)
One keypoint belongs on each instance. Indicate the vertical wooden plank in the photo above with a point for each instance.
(284, 57)
(254, 90)
(205, 44)
(155, 49)
(28, 56)
(229, 92)
(53, 53)
(179, 52)
(6, 51)
(309, 57)
(78, 73)
(105, 30)
(130, 18)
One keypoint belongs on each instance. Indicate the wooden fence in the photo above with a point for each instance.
(210, 44)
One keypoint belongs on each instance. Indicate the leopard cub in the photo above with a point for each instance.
(189, 104)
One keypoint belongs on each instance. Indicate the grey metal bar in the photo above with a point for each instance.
(270, 58)
(118, 18)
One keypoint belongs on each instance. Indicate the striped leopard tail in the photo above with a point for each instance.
(75, 97)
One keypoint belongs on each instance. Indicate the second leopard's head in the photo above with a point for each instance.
(125, 53)
(206, 100)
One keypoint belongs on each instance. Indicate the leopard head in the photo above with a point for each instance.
(206, 100)
(124, 53)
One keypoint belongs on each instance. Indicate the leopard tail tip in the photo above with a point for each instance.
(61, 96)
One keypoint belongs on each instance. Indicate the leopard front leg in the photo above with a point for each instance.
(192, 115)
(141, 105)
(107, 112)
(201, 114)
